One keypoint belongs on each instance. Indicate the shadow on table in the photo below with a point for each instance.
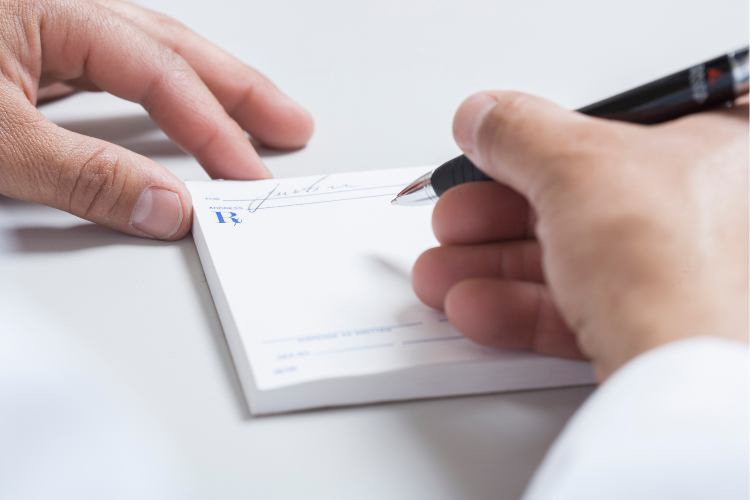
(60, 238)
(140, 134)
(481, 447)
(87, 235)
(42, 239)
(198, 278)
(491, 446)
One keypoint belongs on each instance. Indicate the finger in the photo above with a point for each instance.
(118, 58)
(528, 143)
(480, 212)
(89, 178)
(510, 315)
(248, 96)
(439, 269)
(47, 82)
(84, 83)
(53, 92)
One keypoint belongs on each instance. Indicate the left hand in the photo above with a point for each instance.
(203, 98)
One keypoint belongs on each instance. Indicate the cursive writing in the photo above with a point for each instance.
(317, 187)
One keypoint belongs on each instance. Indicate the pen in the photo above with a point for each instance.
(707, 85)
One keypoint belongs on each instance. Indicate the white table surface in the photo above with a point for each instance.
(382, 79)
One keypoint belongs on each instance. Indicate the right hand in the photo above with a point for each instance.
(198, 94)
(601, 239)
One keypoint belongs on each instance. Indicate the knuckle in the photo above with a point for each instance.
(94, 188)
(208, 143)
(180, 73)
(174, 69)
(172, 76)
(166, 22)
(141, 16)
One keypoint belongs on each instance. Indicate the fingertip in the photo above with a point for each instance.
(230, 155)
(469, 117)
(290, 127)
(510, 315)
(515, 138)
(186, 202)
(162, 213)
(299, 129)
(275, 119)
(484, 311)
(163, 207)
(465, 307)
(423, 278)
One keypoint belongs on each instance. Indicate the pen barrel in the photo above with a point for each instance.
(454, 172)
(689, 91)
(713, 83)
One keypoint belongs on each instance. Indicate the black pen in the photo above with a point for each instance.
(713, 83)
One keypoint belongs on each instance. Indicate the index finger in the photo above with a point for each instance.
(248, 96)
(482, 212)
(89, 40)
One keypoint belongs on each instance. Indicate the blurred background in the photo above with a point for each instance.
(382, 78)
(115, 363)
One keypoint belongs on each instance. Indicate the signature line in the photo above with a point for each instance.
(333, 335)
(334, 351)
(328, 201)
(438, 339)
(319, 194)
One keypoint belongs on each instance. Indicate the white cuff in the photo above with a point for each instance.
(672, 423)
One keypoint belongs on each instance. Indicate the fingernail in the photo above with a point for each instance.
(158, 213)
(469, 117)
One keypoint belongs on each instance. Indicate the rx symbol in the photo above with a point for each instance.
(225, 217)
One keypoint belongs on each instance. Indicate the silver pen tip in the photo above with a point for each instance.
(419, 192)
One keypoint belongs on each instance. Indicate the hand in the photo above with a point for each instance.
(601, 239)
(198, 94)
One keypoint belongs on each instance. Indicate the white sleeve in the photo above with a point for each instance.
(671, 424)
(70, 429)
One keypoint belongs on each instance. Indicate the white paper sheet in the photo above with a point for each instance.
(316, 273)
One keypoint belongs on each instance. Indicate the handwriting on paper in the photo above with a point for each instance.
(316, 187)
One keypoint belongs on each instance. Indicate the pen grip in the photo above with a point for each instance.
(454, 172)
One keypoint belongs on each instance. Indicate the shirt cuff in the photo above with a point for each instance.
(671, 423)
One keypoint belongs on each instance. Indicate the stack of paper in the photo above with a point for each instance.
(311, 280)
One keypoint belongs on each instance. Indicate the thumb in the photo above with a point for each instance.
(92, 179)
(519, 140)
